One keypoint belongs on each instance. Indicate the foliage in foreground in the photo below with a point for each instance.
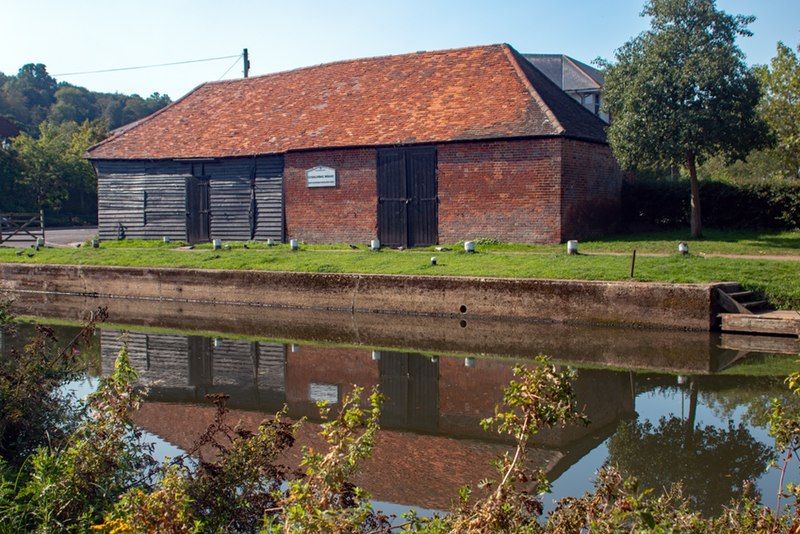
(96, 474)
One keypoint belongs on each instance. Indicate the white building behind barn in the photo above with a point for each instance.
(582, 82)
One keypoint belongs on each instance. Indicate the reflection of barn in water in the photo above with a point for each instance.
(186, 368)
(431, 440)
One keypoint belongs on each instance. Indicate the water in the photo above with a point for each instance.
(664, 406)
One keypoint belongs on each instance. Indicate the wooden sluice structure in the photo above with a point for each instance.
(749, 324)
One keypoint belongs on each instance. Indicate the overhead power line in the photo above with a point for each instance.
(229, 68)
(151, 66)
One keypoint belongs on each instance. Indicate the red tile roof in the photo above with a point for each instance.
(405, 468)
(481, 92)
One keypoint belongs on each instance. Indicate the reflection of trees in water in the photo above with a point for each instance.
(754, 397)
(711, 462)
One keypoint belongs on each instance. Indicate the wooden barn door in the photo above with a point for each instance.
(407, 201)
(196, 210)
(410, 383)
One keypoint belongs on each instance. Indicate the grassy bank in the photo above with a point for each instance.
(778, 279)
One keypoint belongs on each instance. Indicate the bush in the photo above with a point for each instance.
(660, 204)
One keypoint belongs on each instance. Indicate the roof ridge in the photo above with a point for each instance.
(509, 52)
(355, 60)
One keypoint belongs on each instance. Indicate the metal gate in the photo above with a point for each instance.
(407, 198)
(196, 210)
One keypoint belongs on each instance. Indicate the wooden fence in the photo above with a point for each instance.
(21, 226)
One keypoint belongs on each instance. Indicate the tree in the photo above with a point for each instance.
(53, 164)
(780, 106)
(642, 449)
(681, 92)
(8, 176)
(72, 104)
(30, 95)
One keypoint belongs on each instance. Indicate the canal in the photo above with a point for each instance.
(664, 406)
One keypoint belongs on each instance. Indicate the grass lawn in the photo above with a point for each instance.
(764, 365)
(779, 280)
(735, 242)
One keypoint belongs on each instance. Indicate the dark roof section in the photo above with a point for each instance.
(484, 92)
(567, 72)
(552, 65)
(576, 120)
(592, 72)
(8, 129)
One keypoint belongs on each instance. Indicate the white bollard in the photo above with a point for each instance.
(469, 246)
(216, 244)
(433, 260)
(375, 244)
(293, 244)
(683, 247)
(376, 355)
(572, 246)
(166, 239)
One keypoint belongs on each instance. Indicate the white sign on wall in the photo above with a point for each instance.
(321, 177)
(324, 392)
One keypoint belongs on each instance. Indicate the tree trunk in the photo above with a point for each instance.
(692, 418)
(697, 224)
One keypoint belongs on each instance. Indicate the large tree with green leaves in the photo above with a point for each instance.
(681, 92)
(781, 106)
(53, 164)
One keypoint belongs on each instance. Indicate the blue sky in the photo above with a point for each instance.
(81, 35)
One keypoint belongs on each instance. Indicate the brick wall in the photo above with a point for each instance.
(506, 190)
(339, 366)
(530, 191)
(591, 187)
(345, 213)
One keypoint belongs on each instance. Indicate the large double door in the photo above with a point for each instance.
(407, 198)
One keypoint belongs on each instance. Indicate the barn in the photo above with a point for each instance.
(414, 149)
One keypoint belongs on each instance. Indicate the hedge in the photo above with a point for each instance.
(652, 204)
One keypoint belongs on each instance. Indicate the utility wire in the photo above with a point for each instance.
(229, 68)
(150, 66)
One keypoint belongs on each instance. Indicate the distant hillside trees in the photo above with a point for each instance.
(33, 97)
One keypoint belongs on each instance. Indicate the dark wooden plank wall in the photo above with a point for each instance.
(160, 360)
(271, 369)
(166, 360)
(149, 198)
(269, 199)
